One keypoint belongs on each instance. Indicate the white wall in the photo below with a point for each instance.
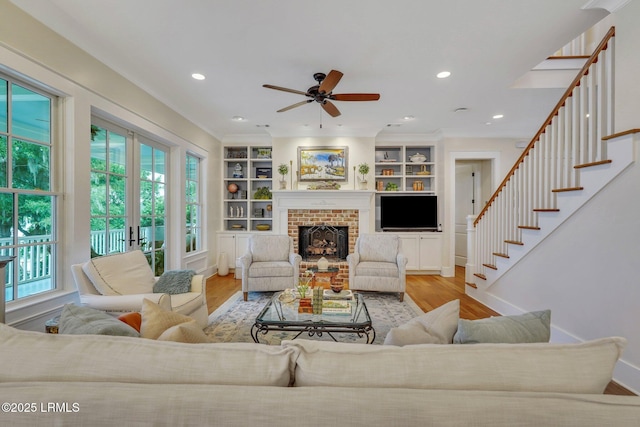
(30, 51)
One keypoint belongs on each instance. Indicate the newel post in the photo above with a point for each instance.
(470, 266)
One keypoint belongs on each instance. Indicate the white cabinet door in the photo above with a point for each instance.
(242, 240)
(227, 243)
(411, 249)
(431, 252)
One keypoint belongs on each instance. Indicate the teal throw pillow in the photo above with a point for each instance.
(174, 282)
(78, 320)
(523, 328)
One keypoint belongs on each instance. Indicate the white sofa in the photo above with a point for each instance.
(104, 381)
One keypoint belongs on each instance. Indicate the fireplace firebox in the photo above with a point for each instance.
(317, 241)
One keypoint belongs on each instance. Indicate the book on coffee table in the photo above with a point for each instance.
(336, 307)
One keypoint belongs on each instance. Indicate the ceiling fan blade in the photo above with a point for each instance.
(330, 81)
(356, 97)
(330, 108)
(297, 104)
(284, 89)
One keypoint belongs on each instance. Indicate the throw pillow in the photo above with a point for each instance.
(435, 327)
(120, 274)
(132, 319)
(174, 282)
(155, 320)
(524, 328)
(188, 332)
(88, 321)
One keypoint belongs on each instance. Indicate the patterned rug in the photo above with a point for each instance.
(232, 321)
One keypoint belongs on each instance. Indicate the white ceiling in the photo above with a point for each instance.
(394, 48)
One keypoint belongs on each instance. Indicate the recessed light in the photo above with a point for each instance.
(498, 116)
(238, 119)
(408, 118)
(443, 74)
(198, 76)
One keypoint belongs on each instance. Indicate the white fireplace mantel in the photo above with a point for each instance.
(283, 200)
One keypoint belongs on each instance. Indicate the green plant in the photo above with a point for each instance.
(304, 283)
(363, 169)
(391, 187)
(283, 169)
(262, 193)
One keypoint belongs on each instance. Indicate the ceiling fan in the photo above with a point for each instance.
(322, 93)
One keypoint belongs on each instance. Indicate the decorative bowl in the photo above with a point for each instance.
(418, 158)
(263, 227)
(337, 287)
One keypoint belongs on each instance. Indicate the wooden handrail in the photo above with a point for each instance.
(575, 83)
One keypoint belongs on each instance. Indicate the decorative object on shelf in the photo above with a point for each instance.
(269, 207)
(258, 213)
(236, 153)
(262, 193)
(237, 226)
(232, 188)
(423, 171)
(418, 186)
(263, 173)
(408, 170)
(387, 172)
(363, 169)
(324, 185)
(321, 163)
(291, 169)
(380, 185)
(418, 158)
(264, 153)
(387, 159)
(283, 170)
(263, 227)
(391, 186)
(323, 264)
(237, 171)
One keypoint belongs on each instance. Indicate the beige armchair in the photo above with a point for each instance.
(269, 264)
(378, 264)
(118, 283)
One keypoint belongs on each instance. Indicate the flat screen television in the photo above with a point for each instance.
(408, 212)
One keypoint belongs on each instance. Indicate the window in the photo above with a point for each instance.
(193, 200)
(27, 202)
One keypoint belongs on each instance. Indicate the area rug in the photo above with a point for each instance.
(232, 321)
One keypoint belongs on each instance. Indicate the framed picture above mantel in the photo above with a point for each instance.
(323, 163)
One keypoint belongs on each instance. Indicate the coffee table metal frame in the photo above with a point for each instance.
(274, 317)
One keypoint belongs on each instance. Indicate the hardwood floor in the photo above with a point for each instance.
(428, 292)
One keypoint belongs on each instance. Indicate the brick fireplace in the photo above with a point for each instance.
(343, 208)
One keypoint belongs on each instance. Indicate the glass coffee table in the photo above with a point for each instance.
(283, 316)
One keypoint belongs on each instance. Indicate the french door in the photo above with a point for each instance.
(128, 193)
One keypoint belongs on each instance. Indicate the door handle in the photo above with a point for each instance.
(131, 239)
(141, 240)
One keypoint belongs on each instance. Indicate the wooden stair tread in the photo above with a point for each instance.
(528, 227)
(473, 285)
(501, 255)
(491, 266)
(586, 165)
(482, 276)
(562, 190)
(546, 210)
(514, 242)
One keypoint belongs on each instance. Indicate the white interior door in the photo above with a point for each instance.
(467, 189)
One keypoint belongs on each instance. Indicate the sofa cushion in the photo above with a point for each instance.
(107, 359)
(156, 320)
(270, 248)
(174, 282)
(435, 327)
(127, 273)
(76, 319)
(522, 328)
(563, 368)
(378, 248)
(187, 332)
(377, 269)
(271, 269)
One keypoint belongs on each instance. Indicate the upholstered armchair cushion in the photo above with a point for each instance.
(270, 248)
(120, 274)
(378, 248)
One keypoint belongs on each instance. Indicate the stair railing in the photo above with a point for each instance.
(570, 138)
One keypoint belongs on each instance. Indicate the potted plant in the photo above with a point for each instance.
(363, 169)
(283, 170)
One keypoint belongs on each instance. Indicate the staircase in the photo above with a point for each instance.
(570, 159)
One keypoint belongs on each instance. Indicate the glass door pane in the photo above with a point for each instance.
(152, 204)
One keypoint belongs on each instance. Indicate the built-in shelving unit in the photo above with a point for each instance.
(405, 168)
(249, 169)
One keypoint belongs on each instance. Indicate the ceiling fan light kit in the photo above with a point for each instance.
(323, 94)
